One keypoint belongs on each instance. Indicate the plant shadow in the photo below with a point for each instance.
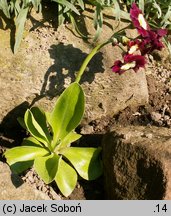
(67, 61)
(11, 133)
(6, 24)
(16, 180)
(49, 16)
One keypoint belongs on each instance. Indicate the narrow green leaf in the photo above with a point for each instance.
(34, 128)
(67, 112)
(155, 5)
(68, 5)
(4, 8)
(93, 2)
(46, 167)
(19, 23)
(125, 15)
(66, 178)
(36, 4)
(167, 15)
(16, 7)
(98, 21)
(117, 10)
(74, 24)
(24, 153)
(141, 5)
(61, 17)
(168, 44)
(81, 4)
(85, 160)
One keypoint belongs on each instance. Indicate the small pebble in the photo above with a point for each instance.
(149, 135)
(156, 116)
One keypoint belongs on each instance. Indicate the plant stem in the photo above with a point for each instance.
(88, 59)
(93, 52)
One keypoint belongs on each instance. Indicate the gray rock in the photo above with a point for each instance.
(13, 188)
(136, 165)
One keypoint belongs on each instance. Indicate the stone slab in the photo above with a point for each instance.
(137, 163)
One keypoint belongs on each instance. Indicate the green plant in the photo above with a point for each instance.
(19, 9)
(100, 5)
(65, 9)
(158, 12)
(49, 149)
(68, 9)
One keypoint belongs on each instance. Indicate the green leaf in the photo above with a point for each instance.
(34, 128)
(36, 5)
(48, 114)
(74, 24)
(19, 167)
(168, 44)
(67, 112)
(85, 160)
(141, 5)
(71, 137)
(81, 4)
(24, 153)
(4, 8)
(61, 17)
(98, 21)
(155, 5)
(21, 122)
(167, 15)
(46, 167)
(40, 117)
(19, 23)
(68, 5)
(31, 141)
(66, 178)
(117, 10)
(125, 15)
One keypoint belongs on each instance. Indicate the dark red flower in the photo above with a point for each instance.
(133, 46)
(138, 20)
(151, 38)
(154, 38)
(138, 59)
(149, 41)
(130, 62)
(161, 32)
(152, 41)
(117, 67)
